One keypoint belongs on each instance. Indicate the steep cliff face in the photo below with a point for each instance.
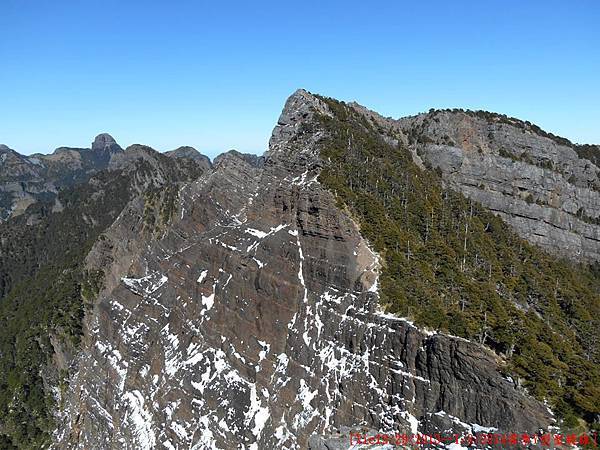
(534, 181)
(250, 319)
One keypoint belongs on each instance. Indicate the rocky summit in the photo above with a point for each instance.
(105, 141)
(247, 303)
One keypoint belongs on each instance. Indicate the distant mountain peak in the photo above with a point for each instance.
(190, 153)
(253, 160)
(184, 152)
(105, 141)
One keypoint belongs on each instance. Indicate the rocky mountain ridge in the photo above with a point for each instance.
(253, 322)
(26, 180)
(544, 186)
(239, 304)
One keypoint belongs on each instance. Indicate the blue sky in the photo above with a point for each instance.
(215, 75)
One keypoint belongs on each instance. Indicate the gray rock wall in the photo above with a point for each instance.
(542, 188)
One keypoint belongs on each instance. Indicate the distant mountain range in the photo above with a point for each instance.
(435, 274)
(25, 180)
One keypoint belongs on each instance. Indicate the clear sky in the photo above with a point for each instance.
(215, 75)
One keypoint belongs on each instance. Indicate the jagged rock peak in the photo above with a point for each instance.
(4, 148)
(300, 105)
(299, 110)
(105, 141)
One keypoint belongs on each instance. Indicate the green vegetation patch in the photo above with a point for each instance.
(45, 291)
(451, 265)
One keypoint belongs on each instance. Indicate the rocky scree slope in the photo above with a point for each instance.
(251, 320)
(44, 286)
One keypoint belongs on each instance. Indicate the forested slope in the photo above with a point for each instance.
(449, 264)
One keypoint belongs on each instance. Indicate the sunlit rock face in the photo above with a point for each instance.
(251, 321)
(536, 183)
